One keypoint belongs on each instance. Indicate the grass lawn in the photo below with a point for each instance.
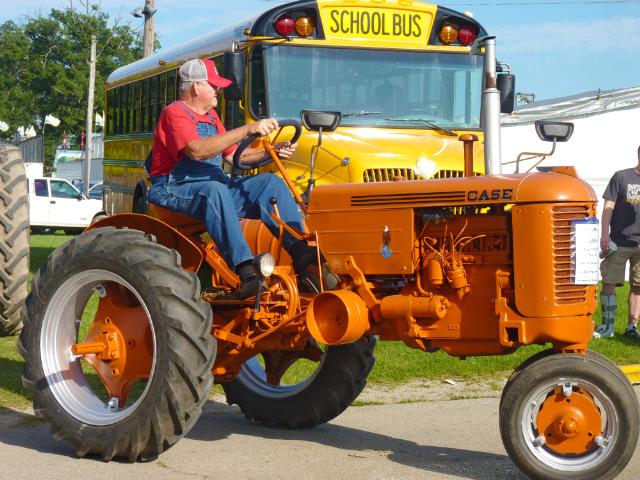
(395, 362)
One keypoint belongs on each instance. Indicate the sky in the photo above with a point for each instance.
(555, 48)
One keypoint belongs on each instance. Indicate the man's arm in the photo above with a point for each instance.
(208, 147)
(605, 223)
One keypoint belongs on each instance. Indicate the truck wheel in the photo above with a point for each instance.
(14, 238)
(117, 345)
(568, 416)
(337, 381)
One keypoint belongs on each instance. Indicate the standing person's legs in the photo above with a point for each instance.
(612, 269)
(634, 295)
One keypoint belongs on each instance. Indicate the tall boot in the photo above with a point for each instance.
(608, 309)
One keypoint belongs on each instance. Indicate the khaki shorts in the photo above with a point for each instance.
(613, 266)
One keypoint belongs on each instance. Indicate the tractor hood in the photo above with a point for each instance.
(539, 187)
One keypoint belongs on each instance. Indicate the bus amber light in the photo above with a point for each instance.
(448, 34)
(467, 36)
(304, 26)
(285, 25)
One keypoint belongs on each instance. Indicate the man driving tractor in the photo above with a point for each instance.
(190, 144)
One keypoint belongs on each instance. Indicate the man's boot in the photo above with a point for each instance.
(305, 263)
(608, 309)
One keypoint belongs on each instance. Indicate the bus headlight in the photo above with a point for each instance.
(426, 167)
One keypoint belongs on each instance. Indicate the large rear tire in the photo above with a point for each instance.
(14, 238)
(150, 307)
(337, 381)
(566, 416)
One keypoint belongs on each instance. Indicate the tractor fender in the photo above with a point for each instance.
(191, 255)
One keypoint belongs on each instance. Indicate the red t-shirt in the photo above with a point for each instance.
(174, 131)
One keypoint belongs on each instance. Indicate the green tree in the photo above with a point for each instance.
(44, 66)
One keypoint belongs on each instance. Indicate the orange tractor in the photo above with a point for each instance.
(122, 346)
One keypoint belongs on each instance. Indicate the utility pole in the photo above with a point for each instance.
(148, 38)
(88, 146)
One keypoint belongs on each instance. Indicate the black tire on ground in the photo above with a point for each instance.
(98, 216)
(14, 238)
(129, 270)
(522, 403)
(325, 394)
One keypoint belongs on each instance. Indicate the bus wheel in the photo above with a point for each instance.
(327, 387)
(568, 416)
(117, 345)
(14, 238)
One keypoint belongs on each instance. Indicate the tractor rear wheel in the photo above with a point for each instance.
(565, 416)
(14, 239)
(117, 345)
(339, 377)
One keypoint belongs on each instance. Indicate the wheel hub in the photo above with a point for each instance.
(571, 423)
(119, 345)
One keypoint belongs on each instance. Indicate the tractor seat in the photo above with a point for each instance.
(176, 220)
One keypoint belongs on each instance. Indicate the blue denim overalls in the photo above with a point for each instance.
(201, 190)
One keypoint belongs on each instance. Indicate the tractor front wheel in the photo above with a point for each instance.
(565, 416)
(117, 345)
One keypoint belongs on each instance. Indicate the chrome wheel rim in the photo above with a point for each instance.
(252, 374)
(570, 462)
(62, 370)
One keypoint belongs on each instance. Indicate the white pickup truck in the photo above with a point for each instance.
(56, 204)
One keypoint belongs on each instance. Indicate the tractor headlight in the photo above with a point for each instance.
(426, 167)
(265, 264)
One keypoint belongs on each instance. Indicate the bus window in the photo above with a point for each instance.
(144, 105)
(126, 98)
(258, 96)
(110, 98)
(116, 110)
(135, 119)
(153, 102)
(162, 94)
(171, 86)
(123, 109)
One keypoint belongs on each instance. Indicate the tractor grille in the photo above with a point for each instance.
(389, 174)
(451, 174)
(564, 291)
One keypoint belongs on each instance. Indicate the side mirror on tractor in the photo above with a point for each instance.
(315, 121)
(550, 131)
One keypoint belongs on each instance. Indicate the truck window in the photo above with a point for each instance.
(61, 189)
(40, 187)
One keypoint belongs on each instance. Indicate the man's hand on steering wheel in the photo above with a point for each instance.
(285, 149)
(262, 127)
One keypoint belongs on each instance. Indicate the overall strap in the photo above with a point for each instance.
(186, 109)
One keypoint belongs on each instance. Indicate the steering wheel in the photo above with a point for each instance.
(237, 156)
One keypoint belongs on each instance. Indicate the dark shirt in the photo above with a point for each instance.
(624, 189)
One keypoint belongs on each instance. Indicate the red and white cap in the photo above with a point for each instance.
(197, 70)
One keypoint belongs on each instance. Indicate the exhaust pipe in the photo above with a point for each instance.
(491, 109)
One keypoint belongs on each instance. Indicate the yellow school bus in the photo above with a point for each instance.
(402, 73)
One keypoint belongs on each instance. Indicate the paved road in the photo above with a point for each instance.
(456, 439)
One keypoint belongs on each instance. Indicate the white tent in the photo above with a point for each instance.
(605, 138)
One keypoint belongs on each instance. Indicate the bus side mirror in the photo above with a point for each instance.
(234, 69)
(507, 86)
(550, 131)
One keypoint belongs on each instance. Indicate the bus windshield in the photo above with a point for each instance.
(373, 88)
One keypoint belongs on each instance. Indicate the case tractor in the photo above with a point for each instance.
(122, 345)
